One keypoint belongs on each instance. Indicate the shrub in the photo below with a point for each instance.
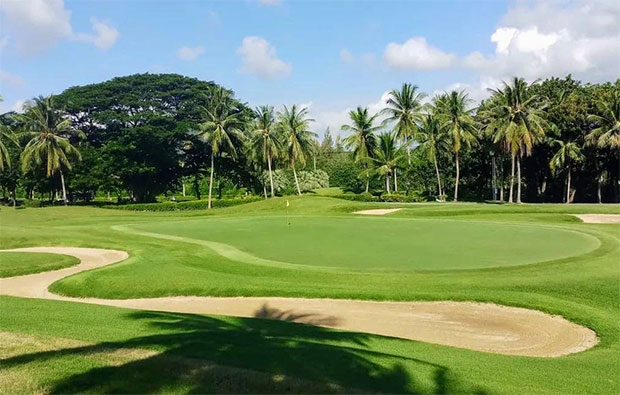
(34, 203)
(182, 206)
(399, 198)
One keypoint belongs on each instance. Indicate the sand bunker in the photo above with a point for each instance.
(476, 326)
(599, 218)
(377, 211)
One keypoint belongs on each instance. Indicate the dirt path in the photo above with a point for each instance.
(476, 326)
(599, 218)
(377, 211)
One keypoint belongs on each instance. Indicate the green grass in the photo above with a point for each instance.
(578, 279)
(17, 264)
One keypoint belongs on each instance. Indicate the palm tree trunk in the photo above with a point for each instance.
(183, 189)
(518, 180)
(367, 182)
(296, 180)
(270, 175)
(64, 190)
(438, 176)
(265, 190)
(395, 181)
(314, 160)
(387, 183)
(512, 178)
(568, 186)
(598, 190)
(456, 181)
(211, 180)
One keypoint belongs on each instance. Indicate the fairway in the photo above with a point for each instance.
(385, 243)
(17, 264)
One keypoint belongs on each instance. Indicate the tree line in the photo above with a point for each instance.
(139, 136)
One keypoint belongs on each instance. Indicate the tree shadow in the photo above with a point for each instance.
(202, 354)
(273, 313)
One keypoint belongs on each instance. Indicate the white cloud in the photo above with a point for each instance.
(270, 2)
(346, 56)
(417, 54)
(542, 39)
(103, 37)
(37, 25)
(260, 58)
(18, 106)
(334, 119)
(190, 53)
(10, 79)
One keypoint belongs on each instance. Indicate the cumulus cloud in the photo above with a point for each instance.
(10, 79)
(36, 25)
(103, 37)
(190, 53)
(417, 54)
(260, 58)
(541, 39)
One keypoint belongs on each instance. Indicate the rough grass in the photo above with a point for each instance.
(17, 264)
(584, 289)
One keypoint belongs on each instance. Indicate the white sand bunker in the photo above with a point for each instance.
(377, 211)
(476, 326)
(599, 218)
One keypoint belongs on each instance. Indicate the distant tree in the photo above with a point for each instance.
(568, 153)
(455, 116)
(519, 122)
(387, 156)
(607, 119)
(363, 141)
(265, 142)
(433, 139)
(404, 107)
(45, 125)
(293, 124)
(222, 125)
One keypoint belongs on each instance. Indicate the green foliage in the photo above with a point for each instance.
(187, 205)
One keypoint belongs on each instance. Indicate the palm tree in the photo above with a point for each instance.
(517, 120)
(6, 135)
(222, 126)
(607, 134)
(456, 118)
(363, 141)
(432, 139)
(567, 154)
(405, 108)
(45, 124)
(387, 157)
(265, 141)
(293, 124)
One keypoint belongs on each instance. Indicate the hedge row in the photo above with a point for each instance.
(392, 197)
(189, 205)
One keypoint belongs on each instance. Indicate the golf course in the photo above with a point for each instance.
(311, 296)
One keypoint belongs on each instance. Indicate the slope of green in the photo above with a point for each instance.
(17, 264)
(583, 287)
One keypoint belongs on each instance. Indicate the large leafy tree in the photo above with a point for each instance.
(362, 141)
(222, 127)
(433, 139)
(293, 124)
(46, 127)
(404, 107)
(455, 115)
(265, 142)
(568, 154)
(387, 157)
(518, 121)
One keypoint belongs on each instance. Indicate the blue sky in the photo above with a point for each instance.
(330, 56)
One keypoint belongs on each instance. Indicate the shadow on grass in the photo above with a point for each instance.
(201, 354)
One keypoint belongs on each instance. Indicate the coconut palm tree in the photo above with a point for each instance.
(568, 153)
(293, 123)
(517, 120)
(45, 125)
(607, 132)
(363, 141)
(432, 139)
(404, 107)
(220, 130)
(265, 142)
(387, 156)
(455, 116)
(6, 136)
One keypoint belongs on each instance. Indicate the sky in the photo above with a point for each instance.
(330, 56)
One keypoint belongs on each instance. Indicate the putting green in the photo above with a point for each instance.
(385, 243)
